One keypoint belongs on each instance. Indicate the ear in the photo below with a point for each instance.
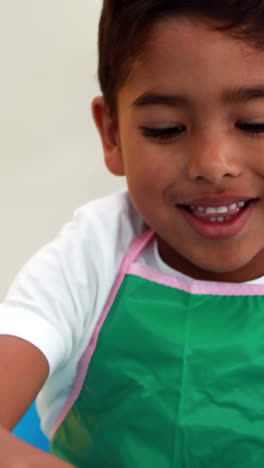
(109, 131)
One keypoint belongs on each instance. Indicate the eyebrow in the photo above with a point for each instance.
(237, 95)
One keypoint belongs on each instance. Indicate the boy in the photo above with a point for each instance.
(141, 313)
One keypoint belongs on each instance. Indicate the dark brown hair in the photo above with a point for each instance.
(125, 26)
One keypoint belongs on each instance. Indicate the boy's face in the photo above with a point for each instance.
(190, 186)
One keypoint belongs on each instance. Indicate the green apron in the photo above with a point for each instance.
(173, 376)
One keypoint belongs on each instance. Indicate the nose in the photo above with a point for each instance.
(211, 159)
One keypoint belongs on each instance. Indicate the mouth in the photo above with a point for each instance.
(221, 221)
(218, 214)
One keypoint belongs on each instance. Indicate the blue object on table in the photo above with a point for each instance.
(28, 429)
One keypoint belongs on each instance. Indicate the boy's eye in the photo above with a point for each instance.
(163, 134)
(169, 133)
(255, 129)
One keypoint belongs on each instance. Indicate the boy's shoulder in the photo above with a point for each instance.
(117, 201)
(113, 213)
(100, 231)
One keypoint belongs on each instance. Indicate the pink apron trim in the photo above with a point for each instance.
(136, 248)
(195, 286)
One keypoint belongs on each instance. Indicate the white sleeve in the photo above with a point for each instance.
(47, 304)
(58, 297)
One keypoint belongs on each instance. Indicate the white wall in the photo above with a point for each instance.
(51, 159)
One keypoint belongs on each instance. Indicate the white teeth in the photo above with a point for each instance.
(220, 220)
(211, 210)
(220, 209)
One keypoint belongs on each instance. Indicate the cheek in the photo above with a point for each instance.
(152, 161)
(252, 154)
(150, 176)
(257, 160)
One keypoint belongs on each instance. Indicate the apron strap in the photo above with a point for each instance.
(135, 250)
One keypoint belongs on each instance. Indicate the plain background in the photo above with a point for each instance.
(51, 157)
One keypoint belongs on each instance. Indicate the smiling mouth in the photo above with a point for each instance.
(219, 214)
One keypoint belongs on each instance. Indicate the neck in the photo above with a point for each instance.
(249, 272)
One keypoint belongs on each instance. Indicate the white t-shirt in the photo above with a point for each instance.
(57, 298)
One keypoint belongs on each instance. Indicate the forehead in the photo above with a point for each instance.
(186, 52)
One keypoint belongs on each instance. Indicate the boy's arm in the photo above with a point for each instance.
(23, 371)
